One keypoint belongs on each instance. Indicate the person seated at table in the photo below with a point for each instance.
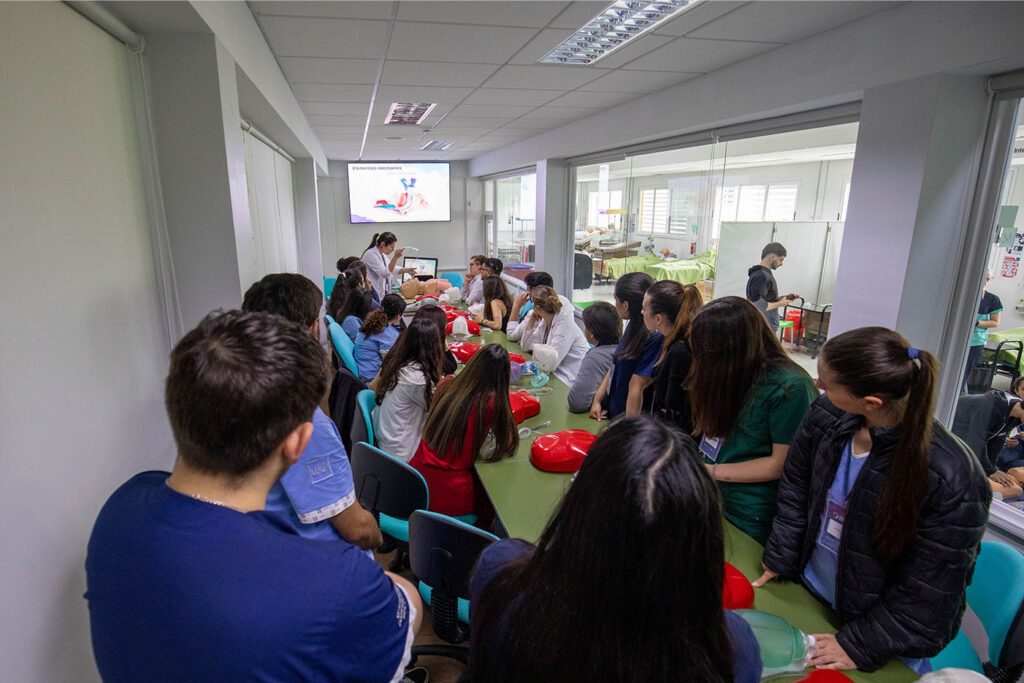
(464, 410)
(474, 285)
(1012, 453)
(881, 509)
(603, 328)
(436, 315)
(491, 267)
(548, 326)
(624, 591)
(632, 370)
(522, 306)
(405, 386)
(497, 304)
(354, 310)
(188, 578)
(377, 335)
(747, 398)
(668, 309)
(321, 508)
(983, 422)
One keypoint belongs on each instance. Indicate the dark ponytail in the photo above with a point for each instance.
(373, 241)
(382, 239)
(679, 304)
(875, 361)
(630, 290)
(347, 282)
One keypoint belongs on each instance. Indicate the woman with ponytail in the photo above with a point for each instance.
(622, 390)
(378, 264)
(668, 309)
(881, 510)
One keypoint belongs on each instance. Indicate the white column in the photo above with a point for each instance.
(553, 252)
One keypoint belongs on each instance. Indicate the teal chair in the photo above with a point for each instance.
(329, 286)
(454, 278)
(996, 596)
(362, 430)
(344, 347)
(443, 552)
(330, 320)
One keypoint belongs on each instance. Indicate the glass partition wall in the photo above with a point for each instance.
(702, 214)
(510, 219)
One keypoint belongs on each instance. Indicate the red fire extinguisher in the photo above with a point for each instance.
(693, 248)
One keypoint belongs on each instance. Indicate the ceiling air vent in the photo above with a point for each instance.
(437, 146)
(408, 114)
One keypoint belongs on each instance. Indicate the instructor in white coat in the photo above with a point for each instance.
(379, 267)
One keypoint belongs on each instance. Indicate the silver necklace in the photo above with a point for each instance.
(211, 501)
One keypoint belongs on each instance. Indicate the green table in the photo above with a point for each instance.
(525, 497)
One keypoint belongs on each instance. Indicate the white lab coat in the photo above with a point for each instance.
(377, 270)
(566, 337)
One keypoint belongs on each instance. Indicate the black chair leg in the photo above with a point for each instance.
(450, 651)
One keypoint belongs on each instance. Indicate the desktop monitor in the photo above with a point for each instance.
(426, 267)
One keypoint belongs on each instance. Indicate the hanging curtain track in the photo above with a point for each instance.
(109, 23)
(248, 128)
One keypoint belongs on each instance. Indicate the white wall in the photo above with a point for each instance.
(84, 351)
(449, 241)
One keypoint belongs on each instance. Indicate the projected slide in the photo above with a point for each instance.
(399, 192)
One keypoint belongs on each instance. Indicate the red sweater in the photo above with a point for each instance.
(450, 476)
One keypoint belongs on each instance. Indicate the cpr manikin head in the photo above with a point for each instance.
(546, 357)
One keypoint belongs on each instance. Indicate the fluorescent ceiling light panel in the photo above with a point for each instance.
(436, 146)
(407, 113)
(621, 23)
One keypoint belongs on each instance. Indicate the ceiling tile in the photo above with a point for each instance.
(637, 48)
(528, 124)
(584, 98)
(510, 96)
(340, 10)
(545, 41)
(543, 77)
(559, 113)
(625, 80)
(338, 38)
(344, 121)
(696, 16)
(340, 109)
(444, 129)
(475, 121)
(421, 93)
(456, 43)
(331, 71)
(529, 13)
(506, 111)
(784, 21)
(435, 73)
(578, 13)
(325, 92)
(695, 55)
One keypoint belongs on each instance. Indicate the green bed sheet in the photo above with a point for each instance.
(1007, 356)
(686, 271)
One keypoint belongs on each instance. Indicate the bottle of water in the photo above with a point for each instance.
(784, 648)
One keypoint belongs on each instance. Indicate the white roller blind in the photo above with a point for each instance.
(271, 209)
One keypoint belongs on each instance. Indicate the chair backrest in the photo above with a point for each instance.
(454, 278)
(442, 553)
(996, 595)
(330, 320)
(362, 426)
(343, 346)
(329, 286)
(386, 485)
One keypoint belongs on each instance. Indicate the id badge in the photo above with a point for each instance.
(710, 447)
(832, 528)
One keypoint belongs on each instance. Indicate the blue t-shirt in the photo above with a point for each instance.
(746, 653)
(318, 486)
(623, 370)
(820, 573)
(184, 590)
(368, 350)
(351, 325)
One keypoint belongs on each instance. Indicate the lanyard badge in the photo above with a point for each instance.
(710, 446)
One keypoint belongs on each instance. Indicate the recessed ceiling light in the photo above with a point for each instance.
(393, 137)
(621, 23)
(408, 114)
(436, 146)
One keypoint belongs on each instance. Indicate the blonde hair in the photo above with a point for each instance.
(545, 299)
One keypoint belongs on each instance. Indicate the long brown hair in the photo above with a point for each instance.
(421, 343)
(630, 591)
(495, 290)
(875, 361)
(483, 382)
(630, 290)
(679, 304)
(732, 345)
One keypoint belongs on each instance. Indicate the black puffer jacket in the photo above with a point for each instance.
(909, 607)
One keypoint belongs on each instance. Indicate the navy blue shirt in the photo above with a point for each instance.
(746, 654)
(183, 590)
(623, 370)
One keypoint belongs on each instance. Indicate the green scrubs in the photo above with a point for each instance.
(771, 414)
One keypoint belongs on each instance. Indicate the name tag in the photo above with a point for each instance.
(832, 529)
(710, 446)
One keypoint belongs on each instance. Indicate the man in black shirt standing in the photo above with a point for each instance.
(762, 289)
